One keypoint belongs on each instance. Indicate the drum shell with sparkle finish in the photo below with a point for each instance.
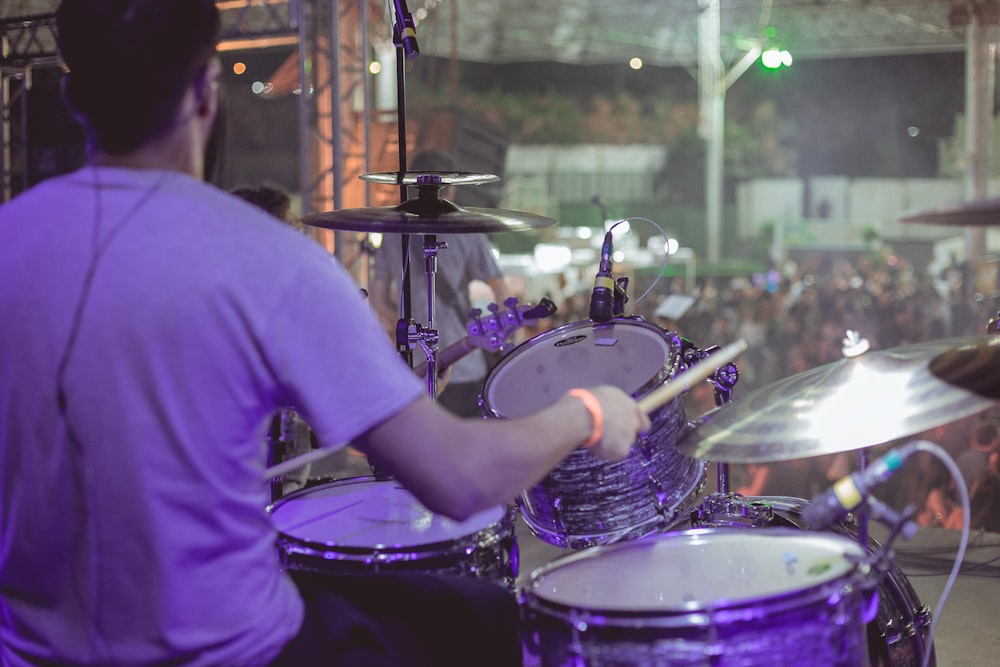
(701, 598)
(367, 525)
(901, 627)
(586, 501)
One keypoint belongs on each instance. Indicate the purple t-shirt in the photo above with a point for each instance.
(133, 523)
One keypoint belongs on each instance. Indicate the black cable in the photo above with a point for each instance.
(81, 468)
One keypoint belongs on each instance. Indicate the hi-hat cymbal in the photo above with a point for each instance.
(428, 215)
(419, 178)
(972, 366)
(871, 399)
(980, 213)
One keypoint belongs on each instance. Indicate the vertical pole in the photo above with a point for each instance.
(979, 87)
(5, 137)
(711, 125)
(305, 145)
(336, 126)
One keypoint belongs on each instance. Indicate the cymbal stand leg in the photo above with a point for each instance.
(431, 248)
(861, 513)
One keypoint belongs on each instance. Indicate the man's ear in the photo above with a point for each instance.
(206, 88)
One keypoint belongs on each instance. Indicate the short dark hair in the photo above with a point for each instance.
(986, 433)
(130, 62)
(271, 198)
(432, 160)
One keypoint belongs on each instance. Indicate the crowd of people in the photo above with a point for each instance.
(799, 321)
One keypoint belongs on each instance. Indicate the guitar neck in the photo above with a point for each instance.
(448, 356)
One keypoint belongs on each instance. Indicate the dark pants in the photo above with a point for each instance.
(398, 620)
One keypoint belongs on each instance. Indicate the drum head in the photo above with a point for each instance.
(630, 354)
(364, 513)
(697, 570)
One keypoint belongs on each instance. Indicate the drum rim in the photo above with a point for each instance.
(670, 368)
(484, 536)
(704, 615)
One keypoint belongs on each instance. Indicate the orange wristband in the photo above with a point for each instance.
(596, 414)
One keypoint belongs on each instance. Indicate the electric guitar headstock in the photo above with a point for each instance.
(492, 331)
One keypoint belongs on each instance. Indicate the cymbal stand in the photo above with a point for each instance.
(725, 507)
(723, 382)
(429, 341)
(861, 513)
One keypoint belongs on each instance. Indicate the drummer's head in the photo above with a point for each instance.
(138, 69)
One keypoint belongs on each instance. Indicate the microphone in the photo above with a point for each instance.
(850, 491)
(602, 299)
(405, 30)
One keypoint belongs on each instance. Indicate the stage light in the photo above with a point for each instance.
(775, 58)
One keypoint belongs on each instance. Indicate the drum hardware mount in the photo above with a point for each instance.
(723, 383)
(620, 296)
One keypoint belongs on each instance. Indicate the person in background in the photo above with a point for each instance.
(161, 321)
(467, 257)
(289, 436)
(974, 461)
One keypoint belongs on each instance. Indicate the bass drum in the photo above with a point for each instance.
(896, 636)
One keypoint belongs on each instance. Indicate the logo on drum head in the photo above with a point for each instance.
(570, 341)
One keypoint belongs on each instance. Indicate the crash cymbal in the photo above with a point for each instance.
(870, 399)
(973, 366)
(428, 215)
(441, 178)
(981, 213)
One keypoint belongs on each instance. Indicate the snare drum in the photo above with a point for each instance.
(702, 598)
(898, 633)
(368, 525)
(586, 501)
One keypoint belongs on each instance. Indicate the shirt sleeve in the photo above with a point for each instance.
(334, 361)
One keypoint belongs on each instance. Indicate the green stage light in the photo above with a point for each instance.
(775, 58)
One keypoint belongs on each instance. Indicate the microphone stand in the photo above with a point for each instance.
(404, 39)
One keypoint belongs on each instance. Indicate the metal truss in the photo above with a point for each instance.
(329, 37)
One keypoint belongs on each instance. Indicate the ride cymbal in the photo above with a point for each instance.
(980, 213)
(972, 366)
(870, 399)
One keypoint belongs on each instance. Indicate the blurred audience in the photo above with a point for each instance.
(798, 322)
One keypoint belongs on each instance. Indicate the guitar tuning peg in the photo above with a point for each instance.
(493, 308)
(475, 324)
(510, 302)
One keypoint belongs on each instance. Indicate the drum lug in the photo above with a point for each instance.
(578, 626)
(557, 516)
(513, 565)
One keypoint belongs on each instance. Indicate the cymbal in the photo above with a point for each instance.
(442, 218)
(418, 178)
(972, 366)
(980, 213)
(870, 399)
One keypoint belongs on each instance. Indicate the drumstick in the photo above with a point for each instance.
(299, 461)
(700, 371)
(684, 381)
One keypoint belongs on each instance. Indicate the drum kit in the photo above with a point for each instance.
(657, 573)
